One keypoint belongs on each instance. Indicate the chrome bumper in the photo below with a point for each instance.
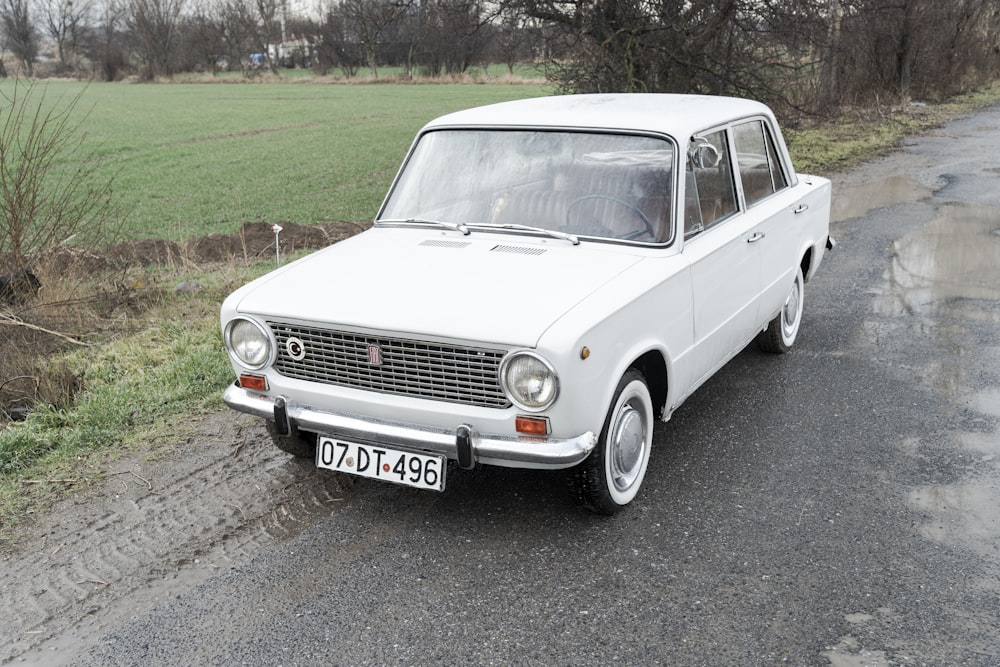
(498, 450)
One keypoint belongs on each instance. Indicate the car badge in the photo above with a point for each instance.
(374, 355)
(296, 348)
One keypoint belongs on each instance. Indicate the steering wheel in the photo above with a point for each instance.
(647, 225)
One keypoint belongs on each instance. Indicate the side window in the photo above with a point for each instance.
(710, 195)
(760, 171)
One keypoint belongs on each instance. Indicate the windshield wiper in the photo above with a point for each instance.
(464, 229)
(572, 238)
(454, 226)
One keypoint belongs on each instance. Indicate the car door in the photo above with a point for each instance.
(721, 249)
(769, 202)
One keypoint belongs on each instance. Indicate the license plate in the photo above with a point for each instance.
(422, 471)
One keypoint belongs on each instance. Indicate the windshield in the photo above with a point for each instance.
(607, 186)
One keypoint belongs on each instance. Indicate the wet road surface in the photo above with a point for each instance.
(834, 506)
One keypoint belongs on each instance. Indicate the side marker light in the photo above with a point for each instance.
(532, 425)
(253, 382)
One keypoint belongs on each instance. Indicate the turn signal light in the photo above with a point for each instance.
(532, 425)
(253, 382)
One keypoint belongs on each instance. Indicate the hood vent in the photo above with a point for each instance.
(445, 244)
(518, 249)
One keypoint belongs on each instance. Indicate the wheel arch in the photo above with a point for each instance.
(806, 263)
(653, 367)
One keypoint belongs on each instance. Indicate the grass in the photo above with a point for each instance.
(864, 134)
(851, 139)
(129, 383)
(192, 158)
(196, 158)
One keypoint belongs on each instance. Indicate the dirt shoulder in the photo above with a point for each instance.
(159, 524)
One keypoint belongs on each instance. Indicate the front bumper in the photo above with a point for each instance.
(463, 444)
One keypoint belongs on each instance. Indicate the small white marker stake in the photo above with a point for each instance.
(277, 253)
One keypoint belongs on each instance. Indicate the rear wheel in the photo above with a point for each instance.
(610, 477)
(300, 444)
(781, 332)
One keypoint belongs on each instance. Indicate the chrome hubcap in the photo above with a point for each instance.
(628, 444)
(790, 313)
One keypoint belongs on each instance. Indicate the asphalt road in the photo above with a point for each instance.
(837, 505)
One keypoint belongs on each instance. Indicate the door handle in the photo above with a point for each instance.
(802, 208)
(756, 237)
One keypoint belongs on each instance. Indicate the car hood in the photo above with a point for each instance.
(484, 287)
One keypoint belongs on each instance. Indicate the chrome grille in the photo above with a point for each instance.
(399, 366)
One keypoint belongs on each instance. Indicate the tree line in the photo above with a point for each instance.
(810, 55)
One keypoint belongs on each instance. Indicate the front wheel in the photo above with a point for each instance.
(781, 332)
(610, 477)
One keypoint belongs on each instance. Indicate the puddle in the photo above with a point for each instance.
(951, 262)
(988, 402)
(987, 444)
(855, 201)
(962, 514)
(848, 652)
(942, 287)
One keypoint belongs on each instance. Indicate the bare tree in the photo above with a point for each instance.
(708, 46)
(105, 46)
(65, 23)
(828, 76)
(513, 39)
(236, 23)
(371, 21)
(202, 38)
(336, 46)
(154, 28)
(810, 55)
(915, 48)
(269, 19)
(457, 33)
(19, 32)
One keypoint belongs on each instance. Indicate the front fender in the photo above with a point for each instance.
(592, 352)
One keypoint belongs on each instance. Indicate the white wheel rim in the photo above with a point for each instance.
(628, 444)
(791, 313)
(629, 439)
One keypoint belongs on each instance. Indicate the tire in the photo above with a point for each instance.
(609, 479)
(781, 332)
(300, 444)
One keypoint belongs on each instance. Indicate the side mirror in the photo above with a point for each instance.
(704, 156)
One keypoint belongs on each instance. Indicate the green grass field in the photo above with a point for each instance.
(195, 158)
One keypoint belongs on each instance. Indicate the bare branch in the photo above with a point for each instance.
(7, 317)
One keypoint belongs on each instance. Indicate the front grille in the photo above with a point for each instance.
(399, 366)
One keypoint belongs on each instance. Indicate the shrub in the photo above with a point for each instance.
(49, 194)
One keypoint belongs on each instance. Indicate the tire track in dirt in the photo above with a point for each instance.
(158, 525)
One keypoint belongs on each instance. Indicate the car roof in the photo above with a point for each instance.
(679, 116)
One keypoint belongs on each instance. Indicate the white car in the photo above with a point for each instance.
(544, 280)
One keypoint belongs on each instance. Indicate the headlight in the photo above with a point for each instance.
(248, 343)
(529, 381)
